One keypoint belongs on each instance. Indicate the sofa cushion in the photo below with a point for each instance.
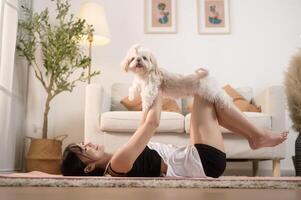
(260, 119)
(121, 90)
(132, 105)
(242, 103)
(127, 121)
(118, 92)
(246, 92)
(168, 105)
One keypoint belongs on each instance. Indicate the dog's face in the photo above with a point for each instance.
(139, 61)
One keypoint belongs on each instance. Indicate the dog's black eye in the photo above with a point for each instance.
(144, 58)
(132, 59)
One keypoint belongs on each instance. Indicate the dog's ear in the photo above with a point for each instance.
(153, 60)
(125, 63)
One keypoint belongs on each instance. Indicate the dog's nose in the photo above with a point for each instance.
(138, 59)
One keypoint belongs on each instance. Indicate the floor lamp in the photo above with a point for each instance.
(94, 15)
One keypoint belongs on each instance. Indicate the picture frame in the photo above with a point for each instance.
(160, 16)
(213, 17)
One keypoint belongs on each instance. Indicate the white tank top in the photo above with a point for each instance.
(180, 161)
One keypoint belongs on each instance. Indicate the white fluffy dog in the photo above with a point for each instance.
(149, 78)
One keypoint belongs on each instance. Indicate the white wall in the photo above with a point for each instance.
(264, 34)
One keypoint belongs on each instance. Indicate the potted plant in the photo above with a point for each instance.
(292, 84)
(63, 65)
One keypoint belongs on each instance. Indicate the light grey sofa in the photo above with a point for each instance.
(112, 125)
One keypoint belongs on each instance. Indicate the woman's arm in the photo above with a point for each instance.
(124, 158)
(143, 118)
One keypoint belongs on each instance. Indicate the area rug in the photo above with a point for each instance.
(40, 179)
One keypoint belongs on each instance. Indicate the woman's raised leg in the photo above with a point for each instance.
(233, 119)
(204, 127)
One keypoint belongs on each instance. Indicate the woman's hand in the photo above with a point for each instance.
(154, 113)
(156, 108)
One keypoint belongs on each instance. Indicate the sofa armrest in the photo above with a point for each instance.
(272, 102)
(93, 109)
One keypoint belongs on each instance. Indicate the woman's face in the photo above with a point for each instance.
(91, 152)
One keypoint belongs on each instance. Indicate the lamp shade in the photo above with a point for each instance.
(94, 14)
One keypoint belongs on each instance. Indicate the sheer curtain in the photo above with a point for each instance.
(13, 88)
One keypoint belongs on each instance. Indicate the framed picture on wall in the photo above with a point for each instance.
(213, 16)
(160, 16)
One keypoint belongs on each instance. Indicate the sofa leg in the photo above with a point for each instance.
(276, 167)
(255, 167)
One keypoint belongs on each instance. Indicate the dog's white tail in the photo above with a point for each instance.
(202, 73)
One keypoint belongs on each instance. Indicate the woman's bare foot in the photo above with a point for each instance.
(268, 139)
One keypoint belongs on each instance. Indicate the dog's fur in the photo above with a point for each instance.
(149, 78)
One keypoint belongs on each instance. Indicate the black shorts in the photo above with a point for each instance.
(213, 160)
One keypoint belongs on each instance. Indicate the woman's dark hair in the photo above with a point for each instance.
(71, 165)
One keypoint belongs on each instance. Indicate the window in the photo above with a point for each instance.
(11, 104)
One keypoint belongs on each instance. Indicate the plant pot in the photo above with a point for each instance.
(298, 155)
(45, 155)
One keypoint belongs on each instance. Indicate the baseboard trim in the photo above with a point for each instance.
(10, 170)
